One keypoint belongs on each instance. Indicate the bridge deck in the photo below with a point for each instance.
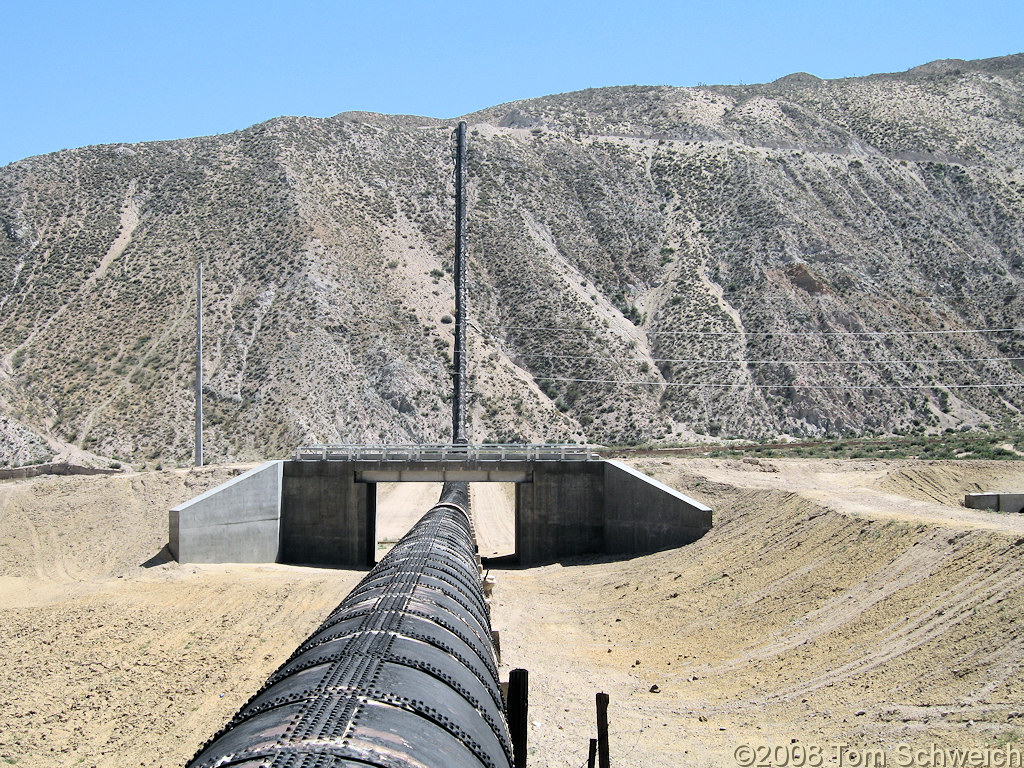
(447, 453)
(444, 463)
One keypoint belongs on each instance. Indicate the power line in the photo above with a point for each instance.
(793, 385)
(760, 333)
(770, 362)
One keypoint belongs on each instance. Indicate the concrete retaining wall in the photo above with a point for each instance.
(601, 507)
(643, 515)
(560, 514)
(997, 502)
(327, 518)
(236, 522)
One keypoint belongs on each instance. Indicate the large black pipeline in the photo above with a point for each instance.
(401, 674)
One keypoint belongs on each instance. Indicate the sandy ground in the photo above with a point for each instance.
(400, 505)
(833, 602)
(115, 655)
(494, 518)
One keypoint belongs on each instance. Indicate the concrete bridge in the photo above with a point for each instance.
(320, 507)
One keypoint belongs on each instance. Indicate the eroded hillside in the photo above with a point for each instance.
(805, 256)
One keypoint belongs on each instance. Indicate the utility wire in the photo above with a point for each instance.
(793, 385)
(768, 362)
(760, 333)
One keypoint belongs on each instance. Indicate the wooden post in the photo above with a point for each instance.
(592, 757)
(518, 706)
(602, 730)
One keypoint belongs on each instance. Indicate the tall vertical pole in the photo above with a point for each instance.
(459, 374)
(199, 365)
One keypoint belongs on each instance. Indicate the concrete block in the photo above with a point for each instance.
(236, 522)
(997, 502)
(1011, 502)
(982, 501)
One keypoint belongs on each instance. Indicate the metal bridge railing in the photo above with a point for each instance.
(445, 453)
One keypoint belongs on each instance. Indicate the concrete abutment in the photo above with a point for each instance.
(324, 512)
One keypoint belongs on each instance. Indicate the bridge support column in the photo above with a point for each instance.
(327, 518)
(561, 513)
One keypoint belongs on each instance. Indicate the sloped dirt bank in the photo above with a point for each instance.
(790, 623)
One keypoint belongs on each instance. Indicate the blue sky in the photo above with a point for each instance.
(78, 73)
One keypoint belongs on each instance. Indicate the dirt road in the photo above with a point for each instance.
(494, 517)
(399, 507)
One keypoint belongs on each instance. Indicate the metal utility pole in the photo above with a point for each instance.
(199, 365)
(459, 374)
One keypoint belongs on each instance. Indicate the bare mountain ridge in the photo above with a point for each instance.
(773, 219)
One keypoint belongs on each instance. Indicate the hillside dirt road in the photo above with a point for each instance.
(834, 602)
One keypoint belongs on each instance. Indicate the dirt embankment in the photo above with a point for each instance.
(113, 654)
(791, 622)
(948, 482)
(830, 603)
